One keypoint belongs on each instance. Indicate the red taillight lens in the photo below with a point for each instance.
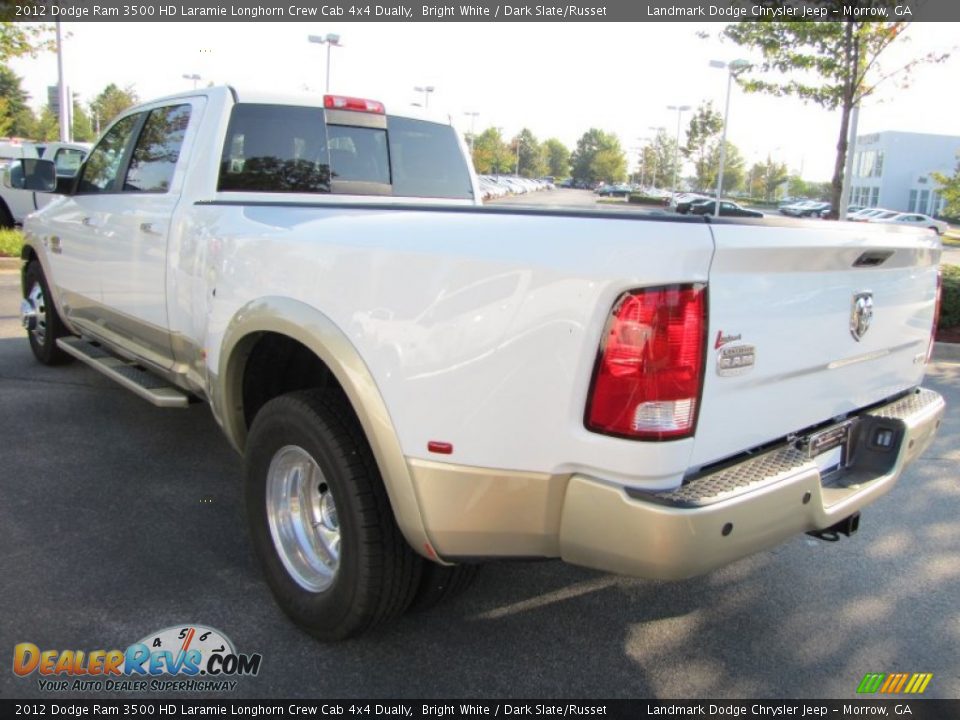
(647, 381)
(936, 314)
(340, 102)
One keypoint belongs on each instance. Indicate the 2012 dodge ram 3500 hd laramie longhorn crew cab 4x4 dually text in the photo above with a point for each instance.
(417, 383)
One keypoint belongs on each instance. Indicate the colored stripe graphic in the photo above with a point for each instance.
(894, 683)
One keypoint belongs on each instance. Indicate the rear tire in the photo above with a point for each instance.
(320, 519)
(48, 326)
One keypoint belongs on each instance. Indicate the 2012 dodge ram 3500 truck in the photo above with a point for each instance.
(417, 383)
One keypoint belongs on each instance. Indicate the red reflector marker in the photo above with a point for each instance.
(443, 448)
(648, 377)
(341, 102)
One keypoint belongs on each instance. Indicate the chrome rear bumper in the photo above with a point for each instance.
(745, 507)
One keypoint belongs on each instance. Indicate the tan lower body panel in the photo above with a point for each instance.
(481, 512)
(746, 508)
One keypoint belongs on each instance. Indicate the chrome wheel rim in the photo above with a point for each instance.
(303, 518)
(39, 305)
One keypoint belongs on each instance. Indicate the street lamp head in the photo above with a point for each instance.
(739, 65)
(331, 38)
(717, 64)
(194, 76)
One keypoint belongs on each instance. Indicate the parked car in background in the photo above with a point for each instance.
(683, 202)
(806, 208)
(17, 203)
(880, 214)
(915, 220)
(866, 214)
(615, 191)
(727, 209)
(850, 210)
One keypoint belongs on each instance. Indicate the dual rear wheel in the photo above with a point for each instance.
(322, 525)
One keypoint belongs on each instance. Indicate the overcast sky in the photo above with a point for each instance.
(558, 79)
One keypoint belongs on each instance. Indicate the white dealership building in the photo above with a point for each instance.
(892, 169)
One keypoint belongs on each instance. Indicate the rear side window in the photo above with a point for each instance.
(157, 149)
(280, 148)
(275, 148)
(427, 160)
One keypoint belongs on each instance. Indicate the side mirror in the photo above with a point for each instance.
(30, 174)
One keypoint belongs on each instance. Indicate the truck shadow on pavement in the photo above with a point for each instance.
(118, 519)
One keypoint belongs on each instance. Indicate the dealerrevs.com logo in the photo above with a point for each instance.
(185, 658)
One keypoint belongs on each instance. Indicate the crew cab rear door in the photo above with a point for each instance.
(133, 238)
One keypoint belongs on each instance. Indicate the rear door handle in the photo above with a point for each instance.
(90, 221)
(150, 229)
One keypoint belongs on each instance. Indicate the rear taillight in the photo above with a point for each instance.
(340, 102)
(936, 314)
(646, 384)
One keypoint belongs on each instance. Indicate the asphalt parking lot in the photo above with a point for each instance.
(104, 538)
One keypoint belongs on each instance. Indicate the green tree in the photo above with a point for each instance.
(82, 127)
(532, 162)
(832, 64)
(111, 102)
(16, 117)
(797, 187)
(491, 154)
(703, 142)
(18, 39)
(558, 158)
(659, 160)
(48, 125)
(734, 169)
(949, 189)
(765, 178)
(598, 157)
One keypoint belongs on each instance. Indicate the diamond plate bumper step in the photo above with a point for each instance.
(775, 465)
(140, 382)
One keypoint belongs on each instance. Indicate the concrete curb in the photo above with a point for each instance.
(10, 263)
(946, 352)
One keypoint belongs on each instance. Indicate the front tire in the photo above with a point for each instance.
(320, 519)
(47, 325)
(6, 218)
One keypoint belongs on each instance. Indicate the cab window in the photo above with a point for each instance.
(155, 155)
(99, 174)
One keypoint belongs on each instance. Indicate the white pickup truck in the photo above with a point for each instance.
(418, 384)
(16, 203)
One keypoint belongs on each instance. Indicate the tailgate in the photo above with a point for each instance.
(793, 299)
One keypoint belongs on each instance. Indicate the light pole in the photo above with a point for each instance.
(426, 90)
(519, 141)
(330, 40)
(473, 121)
(676, 150)
(62, 92)
(196, 78)
(733, 67)
(656, 159)
(643, 160)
